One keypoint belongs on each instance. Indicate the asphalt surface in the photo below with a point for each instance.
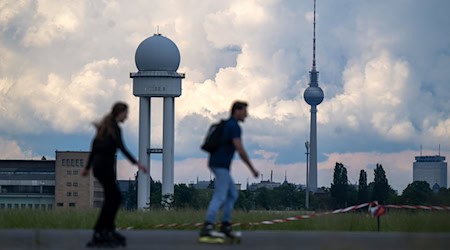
(18, 239)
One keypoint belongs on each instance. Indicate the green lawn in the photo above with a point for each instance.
(394, 220)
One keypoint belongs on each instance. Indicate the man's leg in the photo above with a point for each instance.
(221, 186)
(231, 198)
(220, 193)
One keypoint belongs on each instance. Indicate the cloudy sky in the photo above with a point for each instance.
(384, 68)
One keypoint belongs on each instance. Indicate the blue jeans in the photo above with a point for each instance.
(225, 195)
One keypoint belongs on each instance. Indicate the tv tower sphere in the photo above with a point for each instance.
(313, 95)
(157, 53)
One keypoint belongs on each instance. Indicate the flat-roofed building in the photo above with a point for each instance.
(72, 189)
(27, 184)
(432, 169)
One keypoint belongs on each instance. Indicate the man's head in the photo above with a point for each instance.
(239, 110)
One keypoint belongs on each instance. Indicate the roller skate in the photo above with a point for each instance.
(120, 239)
(104, 239)
(210, 236)
(232, 237)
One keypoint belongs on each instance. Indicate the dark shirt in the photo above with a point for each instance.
(108, 145)
(223, 156)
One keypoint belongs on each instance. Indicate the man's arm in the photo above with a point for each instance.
(243, 154)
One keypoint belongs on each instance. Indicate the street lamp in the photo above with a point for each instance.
(307, 176)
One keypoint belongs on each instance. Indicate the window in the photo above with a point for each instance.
(72, 162)
(9, 205)
(98, 203)
(69, 193)
(71, 204)
(36, 206)
(98, 194)
(77, 162)
(30, 206)
(75, 184)
(48, 189)
(43, 206)
(23, 206)
(16, 205)
(81, 163)
(69, 172)
(69, 184)
(60, 204)
(2, 206)
(75, 193)
(75, 172)
(64, 162)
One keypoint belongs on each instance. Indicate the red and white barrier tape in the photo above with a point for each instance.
(419, 207)
(374, 208)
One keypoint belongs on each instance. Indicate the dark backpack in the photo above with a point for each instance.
(213, 139)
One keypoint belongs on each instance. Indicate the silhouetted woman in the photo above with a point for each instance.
(102, 158)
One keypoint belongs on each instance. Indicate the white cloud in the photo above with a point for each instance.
(386, 88)
(9, 9)
(53, 21)
(12, 151)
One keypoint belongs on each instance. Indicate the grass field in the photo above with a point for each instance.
(394, 220)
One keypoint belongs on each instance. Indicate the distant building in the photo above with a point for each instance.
(263, 184)
(432, 169)
(200, 184)
(72, 189)
(27, 184)
(47, 184)
(206, 184)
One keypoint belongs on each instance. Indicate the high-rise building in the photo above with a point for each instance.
(72, 189)
(432, 169)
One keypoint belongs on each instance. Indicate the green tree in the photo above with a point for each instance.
(263, 198)
(183, 196)
(339, 187)
(130, 199)
(245, 201)
(442, 198)
(201, 198)
(417, 193)
(363, 192)
(285, 197)
(381, 186)
(155, 194)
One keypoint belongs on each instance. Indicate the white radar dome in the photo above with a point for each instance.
(157, 53)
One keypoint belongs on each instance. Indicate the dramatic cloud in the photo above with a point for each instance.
(383, 67)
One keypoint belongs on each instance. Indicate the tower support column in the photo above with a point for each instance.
(143, 196)
(168, 146)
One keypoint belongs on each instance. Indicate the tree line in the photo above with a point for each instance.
(289, 197)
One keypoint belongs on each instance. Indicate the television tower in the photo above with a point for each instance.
(313, 96)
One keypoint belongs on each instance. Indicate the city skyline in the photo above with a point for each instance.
(383, 68)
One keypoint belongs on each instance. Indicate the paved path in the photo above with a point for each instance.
(19, 239)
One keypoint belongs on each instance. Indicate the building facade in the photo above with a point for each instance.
(72, 189)
(432, 169)
(27, 184)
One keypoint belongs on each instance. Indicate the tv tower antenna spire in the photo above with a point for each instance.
(314, 38)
